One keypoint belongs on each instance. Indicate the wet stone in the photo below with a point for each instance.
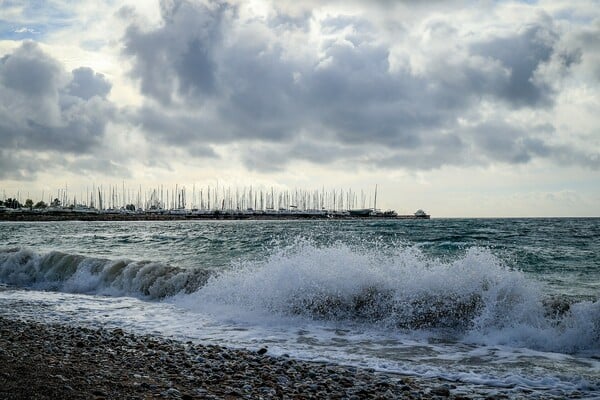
(37, 360)
(441, 391)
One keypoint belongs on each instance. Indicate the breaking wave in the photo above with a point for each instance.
(475, 297)
(73, 273)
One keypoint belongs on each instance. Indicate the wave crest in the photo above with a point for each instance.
(475, 296)
(74, 273)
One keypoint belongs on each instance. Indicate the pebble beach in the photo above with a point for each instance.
(49, 361)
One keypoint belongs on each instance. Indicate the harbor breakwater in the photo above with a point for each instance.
(176, 215)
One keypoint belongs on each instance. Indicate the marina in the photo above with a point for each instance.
(66, 214)
(161, 203)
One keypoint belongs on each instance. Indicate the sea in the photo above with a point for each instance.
(503, 306)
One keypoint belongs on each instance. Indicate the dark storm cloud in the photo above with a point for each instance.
(30, 71)
(503, 142)
(521, 55)
(17, 166)
(448, 149)
(178, 57)
(87, 84)
(44, 108)
(180, 130)
(24, 165)
(275, 157)
(500, 141)
(91, 164)
(590, 40)
(218, 79)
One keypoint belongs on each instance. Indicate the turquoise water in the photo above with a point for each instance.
(562, 252)
(509, 304)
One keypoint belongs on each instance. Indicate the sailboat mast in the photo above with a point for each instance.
(375, 202)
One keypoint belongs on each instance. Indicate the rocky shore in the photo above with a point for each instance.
(40, 361)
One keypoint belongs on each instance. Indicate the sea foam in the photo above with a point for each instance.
(474, 297)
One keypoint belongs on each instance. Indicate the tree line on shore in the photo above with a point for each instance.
(15, 204)
(40, 205)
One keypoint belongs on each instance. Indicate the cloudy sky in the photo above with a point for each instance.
(462, 108)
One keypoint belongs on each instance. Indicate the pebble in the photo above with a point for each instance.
(172, 392)
(100, 363)
(441, 391)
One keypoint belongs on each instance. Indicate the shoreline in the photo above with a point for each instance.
(47, 361)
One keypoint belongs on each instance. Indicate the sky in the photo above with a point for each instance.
(461, 108)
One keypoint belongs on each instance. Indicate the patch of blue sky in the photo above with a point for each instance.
(46, 10)
(11, 30)
(36, 16)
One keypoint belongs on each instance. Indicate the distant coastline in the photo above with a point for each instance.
(164, 203)
(178, 215)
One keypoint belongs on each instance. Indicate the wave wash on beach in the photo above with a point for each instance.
(475, 297)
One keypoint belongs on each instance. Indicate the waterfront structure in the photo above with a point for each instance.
(119, 203)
